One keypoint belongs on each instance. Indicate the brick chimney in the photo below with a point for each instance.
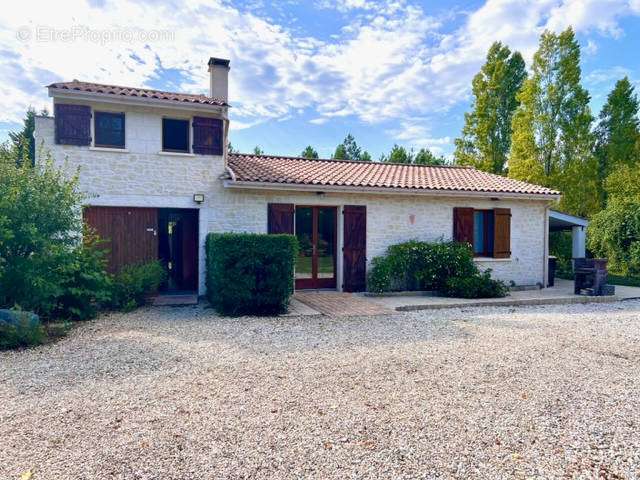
(219, 78)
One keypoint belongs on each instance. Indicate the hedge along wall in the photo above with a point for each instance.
(250, 274)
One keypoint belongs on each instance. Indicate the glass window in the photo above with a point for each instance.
(483, 232)
(175, 135)
(109, 129)
(478, 232)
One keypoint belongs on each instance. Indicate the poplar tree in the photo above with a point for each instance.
(486, 136)
(552, 142)
(617, 137)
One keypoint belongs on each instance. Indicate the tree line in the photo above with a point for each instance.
(348, 149)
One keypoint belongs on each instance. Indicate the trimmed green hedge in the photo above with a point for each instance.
(250, 274)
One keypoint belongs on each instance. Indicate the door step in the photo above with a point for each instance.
(172, 300)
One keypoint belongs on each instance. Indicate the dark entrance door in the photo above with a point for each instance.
(355, 248)
(131, 233)
(178, 248)
(315, 228)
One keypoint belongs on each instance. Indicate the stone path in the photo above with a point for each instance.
(341, 304)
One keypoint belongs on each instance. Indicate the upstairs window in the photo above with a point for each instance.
(175, 135)
(72, 124)
(109, 129)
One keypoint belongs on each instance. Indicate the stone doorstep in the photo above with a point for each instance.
(513, 303)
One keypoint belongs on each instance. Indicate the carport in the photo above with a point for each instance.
(560, 221)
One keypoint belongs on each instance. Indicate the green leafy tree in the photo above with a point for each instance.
(486, 136)
(399, 154)
(341, 153)
(22, 142)
(230, 148)
(43, 265)
(365, 157)
(617, 136)
(614, 233)
(257, 150)
(348, 149)
(552, 142)
(426, 157)
(309, 152)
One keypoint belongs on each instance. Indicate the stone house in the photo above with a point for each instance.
(159, 176)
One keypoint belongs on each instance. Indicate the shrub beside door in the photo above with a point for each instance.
(250, 274)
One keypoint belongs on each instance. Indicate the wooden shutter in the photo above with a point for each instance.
(207, 136)
(72, 124)
(463, 224)
(280, 218)
(355, 248)
(502, 232)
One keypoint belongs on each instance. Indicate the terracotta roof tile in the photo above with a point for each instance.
(306, 171)
(77, 85)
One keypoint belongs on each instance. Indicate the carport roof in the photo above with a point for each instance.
(565, 221)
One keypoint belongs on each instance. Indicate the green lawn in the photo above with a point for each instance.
(325, 265)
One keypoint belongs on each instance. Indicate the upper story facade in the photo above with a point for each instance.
(133, 141)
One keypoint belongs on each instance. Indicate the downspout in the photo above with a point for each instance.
(230, 172)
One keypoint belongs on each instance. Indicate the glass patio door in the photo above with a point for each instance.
(315, 228)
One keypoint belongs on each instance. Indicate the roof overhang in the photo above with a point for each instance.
(559, 221)
(230, 183)
(137, 101)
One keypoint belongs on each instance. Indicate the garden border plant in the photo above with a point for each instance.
(443, 266)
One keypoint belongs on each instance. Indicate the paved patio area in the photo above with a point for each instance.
(561, 293)
(341, 304)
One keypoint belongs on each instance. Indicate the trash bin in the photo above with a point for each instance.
(552, 270)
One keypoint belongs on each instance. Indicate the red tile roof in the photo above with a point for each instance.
(306, 171)
(79, 86)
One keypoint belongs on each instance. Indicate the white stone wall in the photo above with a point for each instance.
(389, 220)
(143, 177)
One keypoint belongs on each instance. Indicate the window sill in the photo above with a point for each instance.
(491, 259)
(176, 154)
(107, 149)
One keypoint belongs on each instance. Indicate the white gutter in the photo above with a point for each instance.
(231, 174)
(233, 183)
(138, 101)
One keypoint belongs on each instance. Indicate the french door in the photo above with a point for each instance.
(315, 228)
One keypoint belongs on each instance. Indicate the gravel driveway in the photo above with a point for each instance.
(178, 393)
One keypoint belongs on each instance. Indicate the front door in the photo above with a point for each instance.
(315, 228)
(178, 248)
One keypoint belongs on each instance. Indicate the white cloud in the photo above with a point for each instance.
(319, 120)
(391, 62)
(417, 134)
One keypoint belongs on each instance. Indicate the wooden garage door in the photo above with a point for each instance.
(131, 232)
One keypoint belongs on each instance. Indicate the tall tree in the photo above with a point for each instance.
(365, 157)
(617, 134)
(426, 157)
(486, 136)
(552, 142)
(309, 152)
(257, 150)
(23, 141)
(230, 148)
(399, 154)
(348, 149)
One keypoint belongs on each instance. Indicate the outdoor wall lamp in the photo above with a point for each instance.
(198, 197)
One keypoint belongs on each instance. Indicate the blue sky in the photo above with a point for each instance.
(307, 72)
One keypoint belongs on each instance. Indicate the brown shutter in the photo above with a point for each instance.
(207, 136)
(355, 248)
(502, 232)
(73, 124)
(463, 224)
(280, 218)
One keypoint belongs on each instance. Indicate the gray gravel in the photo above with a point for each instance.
(178, 393)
